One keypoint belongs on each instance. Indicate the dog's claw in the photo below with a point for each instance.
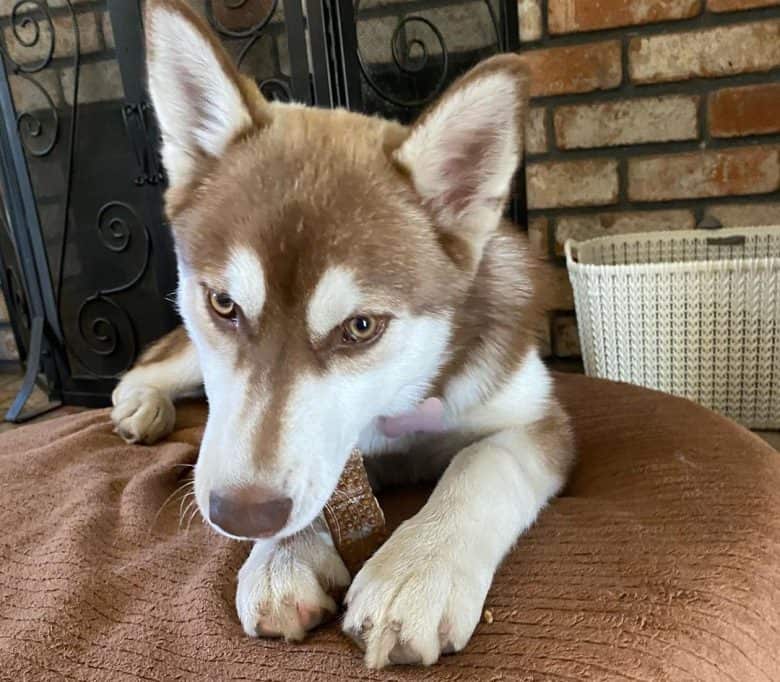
(411, 612)
(356, 637)
(403, 654)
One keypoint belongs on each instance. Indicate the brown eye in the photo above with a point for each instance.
(361, 328)
(223, 305)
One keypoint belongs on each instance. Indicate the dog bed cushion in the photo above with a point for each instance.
(660, 561)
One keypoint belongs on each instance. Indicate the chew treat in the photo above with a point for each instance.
(353, 515)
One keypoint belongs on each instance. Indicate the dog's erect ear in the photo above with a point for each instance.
(199, 97)
(464, 150)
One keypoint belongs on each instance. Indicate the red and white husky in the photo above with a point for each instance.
(335, 270)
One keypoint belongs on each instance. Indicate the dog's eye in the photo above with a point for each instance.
(222, 304)
(361, 329)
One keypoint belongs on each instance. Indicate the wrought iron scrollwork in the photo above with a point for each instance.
(38, 136)
(252, 31)
(104, 326)
(275, 89)
(412, 57)
(23, 22)
(102, 322)
(40, 132)
(272, 88)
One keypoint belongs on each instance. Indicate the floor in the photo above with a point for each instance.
(11, 382)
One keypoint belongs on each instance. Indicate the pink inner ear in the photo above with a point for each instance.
(463, 167)
(428, 416)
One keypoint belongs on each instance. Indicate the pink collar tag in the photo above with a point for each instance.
(427, 417)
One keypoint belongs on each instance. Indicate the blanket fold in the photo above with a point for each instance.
(660, 561)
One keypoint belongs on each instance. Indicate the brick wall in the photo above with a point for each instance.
(648, 115)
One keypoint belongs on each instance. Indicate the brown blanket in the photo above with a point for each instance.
(660, 562)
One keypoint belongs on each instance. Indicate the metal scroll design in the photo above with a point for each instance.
(412, 57)
(26, 31)
(272, 88)
(39, 135)
(104, 326)
(32, 130)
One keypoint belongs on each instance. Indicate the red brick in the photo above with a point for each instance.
(565, 338)
(574, 68)
(573, 16)
(746, 170)
(27, 94)
(633, 121)
(736, 5)
(64, 36)
(538, 237)
(4, 316)
(8, 349)
(722, 51)
(754, 213)
(529, 16)
(558, 293)
(535, 131)
(98, 82)
(750, 110)
(108, 31)
(602, 224)
(553, 184)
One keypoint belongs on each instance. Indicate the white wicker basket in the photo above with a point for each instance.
(694, 313)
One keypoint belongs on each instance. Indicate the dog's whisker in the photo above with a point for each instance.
(179, 489)
(195, 512)
(186, 511)
(187, 495)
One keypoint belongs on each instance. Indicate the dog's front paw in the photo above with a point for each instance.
(286, 589)
(418, 597)
(142, 414)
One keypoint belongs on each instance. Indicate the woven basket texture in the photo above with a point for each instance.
(693, 313)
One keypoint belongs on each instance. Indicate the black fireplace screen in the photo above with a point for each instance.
(87, 261)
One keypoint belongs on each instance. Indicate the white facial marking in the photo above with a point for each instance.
(336, 297)
(246, 281)
(326, 415)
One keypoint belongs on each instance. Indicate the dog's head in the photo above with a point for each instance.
(322, 256)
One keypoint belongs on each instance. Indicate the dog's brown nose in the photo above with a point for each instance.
(249, 511)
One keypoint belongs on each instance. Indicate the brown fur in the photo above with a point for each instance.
(165, 348)
(303, 185)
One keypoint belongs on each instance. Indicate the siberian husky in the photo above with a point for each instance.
(337, 271)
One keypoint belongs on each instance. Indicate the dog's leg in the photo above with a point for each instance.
(143, 400)
(422, 593)
(286, 588)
